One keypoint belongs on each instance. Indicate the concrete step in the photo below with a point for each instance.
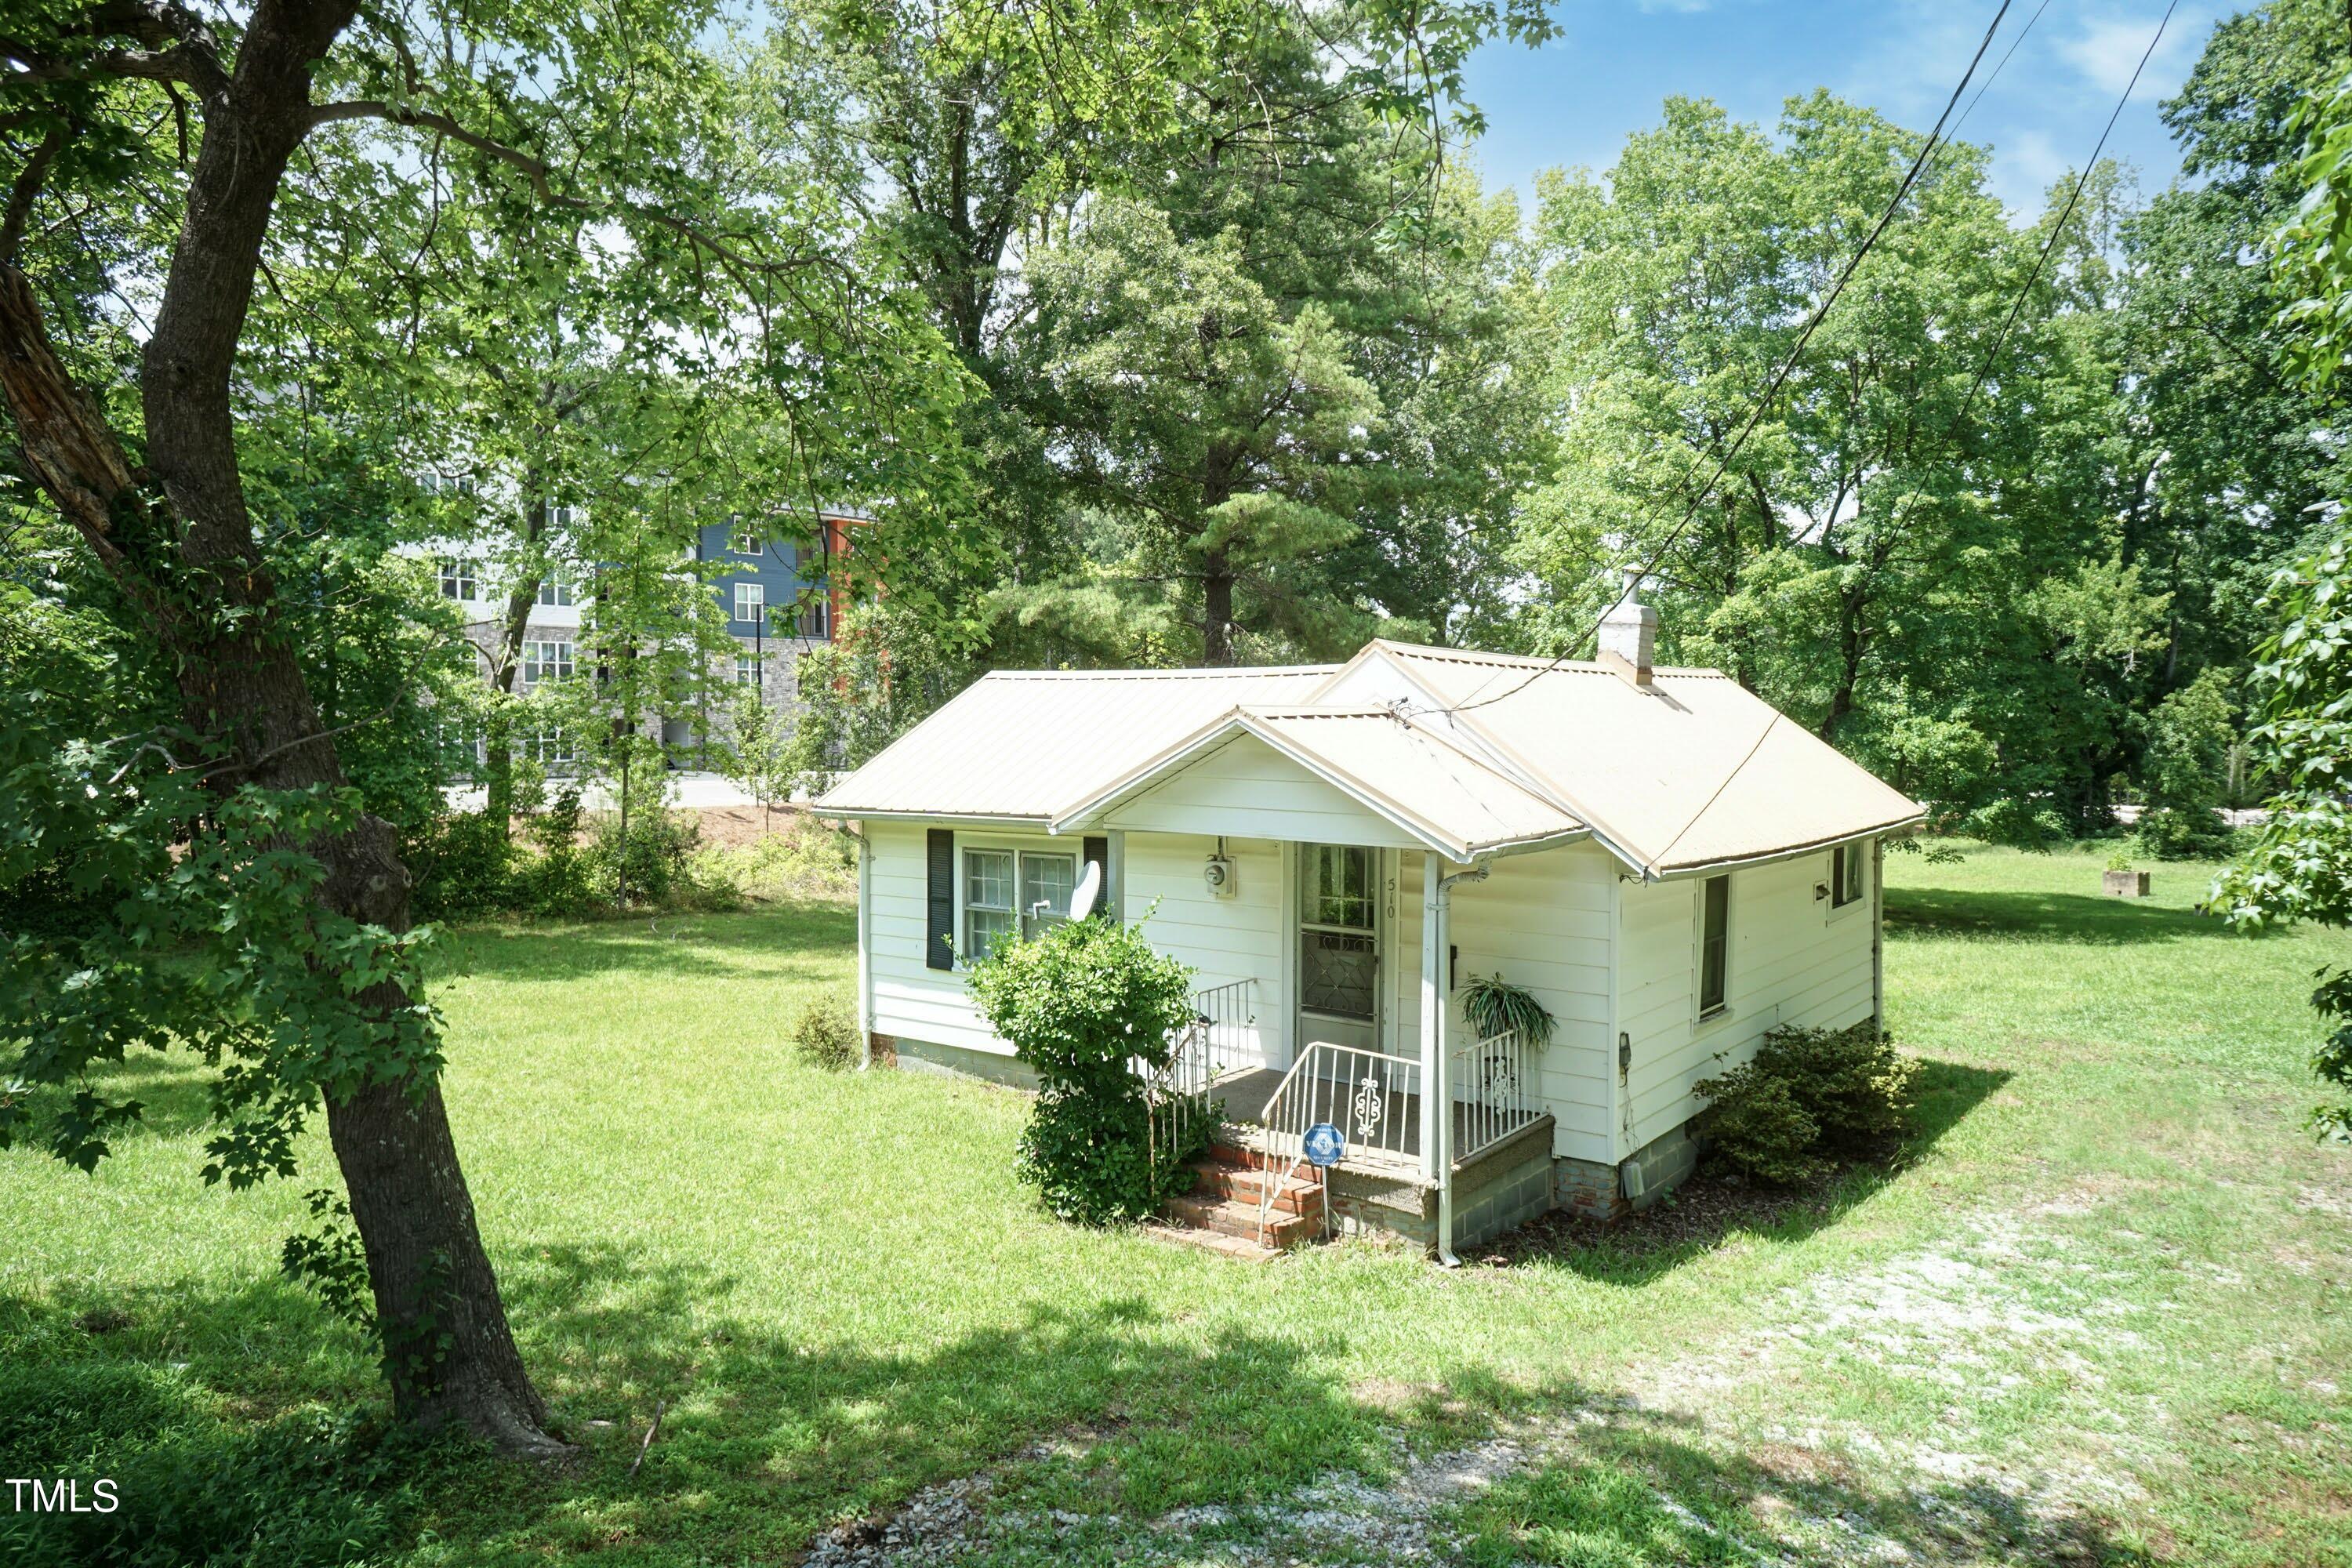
(1232, 1216)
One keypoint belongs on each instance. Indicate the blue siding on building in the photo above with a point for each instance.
(775, 569)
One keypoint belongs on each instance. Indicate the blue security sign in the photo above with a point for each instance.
(1324, 1146)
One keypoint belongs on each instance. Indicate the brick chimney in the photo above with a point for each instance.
(1628, 636)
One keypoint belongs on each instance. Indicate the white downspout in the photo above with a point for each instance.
(1878, 935)
(1437, 1092)
(864, 950)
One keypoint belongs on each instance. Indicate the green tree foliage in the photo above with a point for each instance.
(1901, 557)
(1083, 1005)
(2185, 770)
(268, 185)
(2300, 868)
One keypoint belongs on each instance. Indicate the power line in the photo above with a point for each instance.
(1779, 376)
(2058, 230)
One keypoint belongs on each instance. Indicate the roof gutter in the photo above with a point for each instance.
(977, 819)
(1774, 857)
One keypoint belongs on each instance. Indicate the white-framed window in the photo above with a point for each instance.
(744, 539)
(450, 485)
(551, 749)
(545, 660)
(1047, 881)
(814, 616)
(988, 913)
(1845, 875)
(1008, 891)
(1714, 944)
(561, 517)
(746, 670)
(558, 587)
(460, 578)
(751, 602)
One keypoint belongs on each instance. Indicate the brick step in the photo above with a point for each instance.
(1230, 1216)
(1216, 1241)
(1243, 1157)
(1250, 1184)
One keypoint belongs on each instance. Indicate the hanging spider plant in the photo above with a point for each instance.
(1494, 1006)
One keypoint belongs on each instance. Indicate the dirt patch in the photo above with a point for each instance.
(1698, 1213)
(730, 826)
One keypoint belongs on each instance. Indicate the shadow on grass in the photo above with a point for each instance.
(1701, 1216)
(708, 946)
(1639, 1488)
(1089, 1422)
(2061, 917)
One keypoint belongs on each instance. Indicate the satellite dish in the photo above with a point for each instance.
(1083, 897)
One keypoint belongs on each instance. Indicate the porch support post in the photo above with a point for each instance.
(1436, 1122)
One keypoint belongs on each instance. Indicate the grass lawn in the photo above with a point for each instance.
(2098, 1316)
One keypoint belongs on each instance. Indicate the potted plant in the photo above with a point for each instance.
(2122, 881)
(1494, 1006)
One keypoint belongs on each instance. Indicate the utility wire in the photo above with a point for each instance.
(2058, 230)
(1779, 376)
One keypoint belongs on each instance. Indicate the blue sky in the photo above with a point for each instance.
(1574, 101)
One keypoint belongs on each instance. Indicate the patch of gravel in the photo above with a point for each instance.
(1338, 1519)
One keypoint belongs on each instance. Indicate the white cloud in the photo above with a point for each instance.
(2106, 50)
(2025, 164)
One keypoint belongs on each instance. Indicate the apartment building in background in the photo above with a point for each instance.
(778, 601)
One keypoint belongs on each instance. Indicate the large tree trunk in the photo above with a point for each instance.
(187, 557)
(1217, 610)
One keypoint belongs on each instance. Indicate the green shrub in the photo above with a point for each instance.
(1081, 1005)
(1851, 1081)
(1809, 1095)
(803, 858)
(559, 880)
(825, 1034)
(463, 868)
(1759, 1128)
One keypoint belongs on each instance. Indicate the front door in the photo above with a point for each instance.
(1338, 945)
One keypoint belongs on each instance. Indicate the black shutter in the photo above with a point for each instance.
(938, 924)
(1099, 855)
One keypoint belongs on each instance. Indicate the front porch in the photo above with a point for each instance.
(1391, 1147)
(1416, 1134)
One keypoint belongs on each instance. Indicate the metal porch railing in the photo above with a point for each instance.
(1178, 1095)
(1493, 1089)
(1368, 1095)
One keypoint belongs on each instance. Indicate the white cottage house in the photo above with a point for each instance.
(1666, 862)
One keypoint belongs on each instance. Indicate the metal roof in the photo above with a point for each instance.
(1017, 745)
(1476, 751)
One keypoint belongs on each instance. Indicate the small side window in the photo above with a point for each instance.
(1714, 944)
(1845, 875)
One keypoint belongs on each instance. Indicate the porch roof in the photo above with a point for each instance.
(1448, 799)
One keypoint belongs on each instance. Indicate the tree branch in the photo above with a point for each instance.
(535, 169)
(28, 189)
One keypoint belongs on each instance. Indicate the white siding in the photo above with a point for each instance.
(1543, 921)
(1792, 960)
(1225, 939)
(909, 999)
(1248, 790)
